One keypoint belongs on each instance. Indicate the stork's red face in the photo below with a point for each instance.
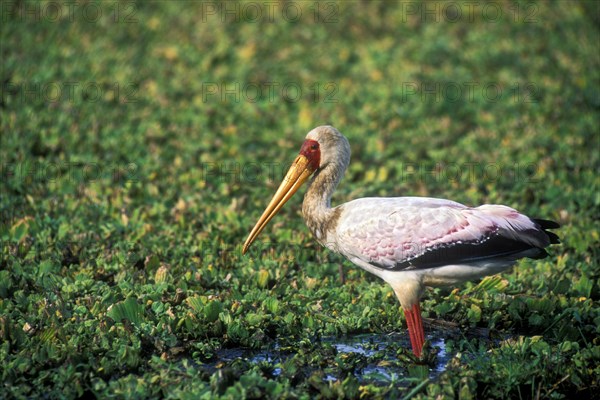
(304, 165)
(311, 150)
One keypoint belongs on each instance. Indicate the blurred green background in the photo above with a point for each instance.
(141, 141)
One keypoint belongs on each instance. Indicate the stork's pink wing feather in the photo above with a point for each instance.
(387, 232)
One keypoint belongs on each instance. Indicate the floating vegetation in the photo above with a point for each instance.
(139, 145)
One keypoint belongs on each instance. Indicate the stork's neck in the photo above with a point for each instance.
(316, 207)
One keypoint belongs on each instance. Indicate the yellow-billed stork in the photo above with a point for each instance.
(409, 242)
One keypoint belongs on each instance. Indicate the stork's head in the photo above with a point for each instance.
(332, 145)
(322, 146)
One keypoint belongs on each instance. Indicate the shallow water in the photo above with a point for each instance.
(378, 352)
(372, 345)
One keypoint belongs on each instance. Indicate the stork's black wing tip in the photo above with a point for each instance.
(554, 239)
(546, 223)
(540, 255)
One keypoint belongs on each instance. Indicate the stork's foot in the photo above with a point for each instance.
(415, 329)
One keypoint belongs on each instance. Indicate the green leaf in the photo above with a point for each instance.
(19, 230)
(128, 310)
(196, 303)
(263, 278)
(584, 286)
(212, 310)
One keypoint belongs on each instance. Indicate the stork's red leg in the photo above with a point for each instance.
(415, 328)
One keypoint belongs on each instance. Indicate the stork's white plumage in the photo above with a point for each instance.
(409, 242)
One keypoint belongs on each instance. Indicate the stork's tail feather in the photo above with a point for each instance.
(538, 255)
(546, 224)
